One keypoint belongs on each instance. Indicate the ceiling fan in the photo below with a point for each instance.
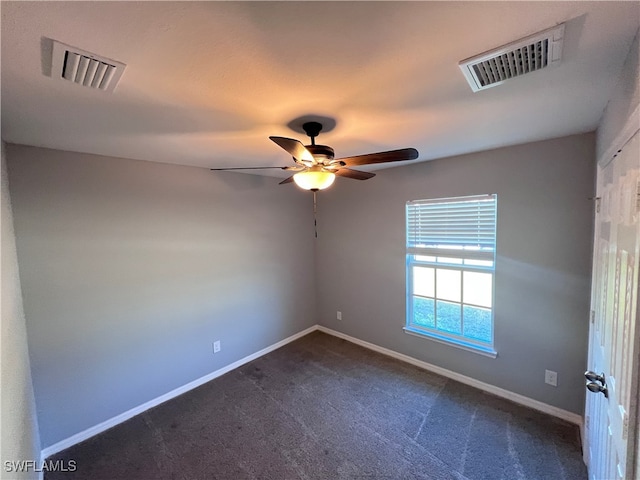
(317, 169)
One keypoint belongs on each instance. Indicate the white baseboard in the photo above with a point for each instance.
(112, 422)
(500, 392)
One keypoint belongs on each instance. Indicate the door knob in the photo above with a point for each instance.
(594, 377)
(595, 388)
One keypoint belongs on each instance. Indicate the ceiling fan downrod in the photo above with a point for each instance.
(322, 153)
(312, 129)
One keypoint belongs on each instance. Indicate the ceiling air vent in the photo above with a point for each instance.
(518, 58)
(84, 68)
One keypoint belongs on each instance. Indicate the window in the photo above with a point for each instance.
(451, 246)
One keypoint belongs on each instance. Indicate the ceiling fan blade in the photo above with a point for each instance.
(355, 174)
(381, 157)
(247, 168)
(286, 180)
(294, 147)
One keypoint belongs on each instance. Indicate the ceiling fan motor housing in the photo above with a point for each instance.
(322, 153)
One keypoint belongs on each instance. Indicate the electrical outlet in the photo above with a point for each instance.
(216, 346)
(551, 378)
(339, 315)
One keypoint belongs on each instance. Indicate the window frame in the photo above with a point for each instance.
(431, 257)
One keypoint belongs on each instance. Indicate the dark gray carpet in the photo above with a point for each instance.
(323, 408)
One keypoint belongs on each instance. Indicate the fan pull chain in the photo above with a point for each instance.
(315, 218)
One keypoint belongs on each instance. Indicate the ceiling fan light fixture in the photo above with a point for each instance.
(314, 179)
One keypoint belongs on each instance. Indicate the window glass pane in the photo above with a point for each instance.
(423, 282)
(477, 323)
(479, 263)
(448, 284)
(425, 258)
(423, 313)
(450, 260)
(449, 317)
(477, 288)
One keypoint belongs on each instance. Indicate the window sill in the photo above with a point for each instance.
(469, 347)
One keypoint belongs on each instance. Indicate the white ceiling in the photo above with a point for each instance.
(206, 83)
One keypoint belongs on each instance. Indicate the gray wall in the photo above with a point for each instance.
(624, 100)
(130, 270)
(20, 439)
(542, 269)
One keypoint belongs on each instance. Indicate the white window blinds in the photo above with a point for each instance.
(464, 227)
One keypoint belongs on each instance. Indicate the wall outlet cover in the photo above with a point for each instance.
(551, 378)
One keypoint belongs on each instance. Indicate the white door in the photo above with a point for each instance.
(611, 399)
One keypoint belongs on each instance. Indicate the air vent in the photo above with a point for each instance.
(527, 55)
(84, 68)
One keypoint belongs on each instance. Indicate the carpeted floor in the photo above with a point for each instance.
(322, 408)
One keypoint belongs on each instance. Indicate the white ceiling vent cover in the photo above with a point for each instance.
(523, 56)
(84, 68)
